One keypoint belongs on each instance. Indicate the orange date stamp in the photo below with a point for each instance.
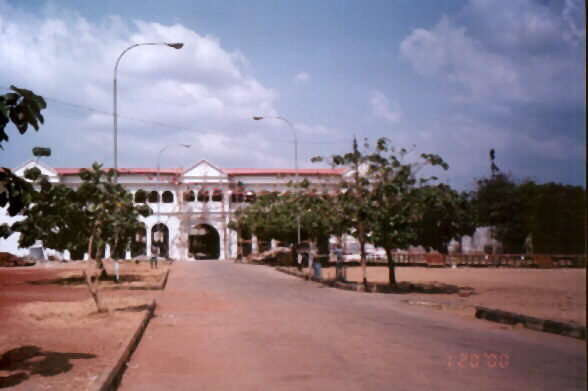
(475, 360)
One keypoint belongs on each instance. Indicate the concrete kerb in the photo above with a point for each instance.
(530, 322)
(490, 314)
(110, 378)
(158, 287)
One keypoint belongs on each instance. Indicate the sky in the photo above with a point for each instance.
(453, 77)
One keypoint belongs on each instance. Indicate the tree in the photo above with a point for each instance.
(499, 204)
(22, 108)
(555, 217)
(355, 197)
(398, 204)
(84, 219)
(446, 215)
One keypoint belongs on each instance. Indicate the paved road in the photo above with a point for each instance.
(223, 326)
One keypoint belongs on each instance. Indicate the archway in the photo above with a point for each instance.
(204, 242)
(160, 239)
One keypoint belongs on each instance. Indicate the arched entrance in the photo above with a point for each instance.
(160, 239)
(204, 242)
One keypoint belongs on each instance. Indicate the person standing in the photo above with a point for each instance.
(154, 255)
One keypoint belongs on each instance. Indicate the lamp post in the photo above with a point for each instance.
(176, 45)
(295, 168)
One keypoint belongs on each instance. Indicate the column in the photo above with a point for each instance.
(254, 247)
(148, 238)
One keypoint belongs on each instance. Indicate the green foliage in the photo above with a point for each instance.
(407, 209)
(68, 219)
(22, 108)
(387, 205)
(14, 191)
(555, 217)
(39, 151)
(499, 204)
(446, 215)
(538, 218)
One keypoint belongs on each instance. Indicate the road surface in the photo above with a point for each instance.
(224, 326)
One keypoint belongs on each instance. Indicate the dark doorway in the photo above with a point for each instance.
(204, 242)
(160, 239)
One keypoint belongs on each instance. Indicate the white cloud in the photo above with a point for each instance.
(447, 52)
(384, 109)
(302, 78)
(60, 54)
(311, 129)
(502, 53)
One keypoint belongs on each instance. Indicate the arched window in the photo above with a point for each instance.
(140, 196)
(250, 196)
(203, 196)
(237, 196)
(189, 196)
(167, 197)
(217, 195)
(153, 196)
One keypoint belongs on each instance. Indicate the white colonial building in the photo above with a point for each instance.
(192, 207)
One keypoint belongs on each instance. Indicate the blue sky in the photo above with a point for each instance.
(449, 77)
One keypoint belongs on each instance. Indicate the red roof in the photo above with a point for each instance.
(228, 171)
(283, 171)
(76, 171)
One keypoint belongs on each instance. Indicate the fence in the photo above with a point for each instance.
(541, 261)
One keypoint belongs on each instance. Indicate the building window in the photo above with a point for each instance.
(153, 196)
(167, 197)
(189, 196)
(203, 196)
(217, 195)
(250, 197)
(237, 196)
(140, 196)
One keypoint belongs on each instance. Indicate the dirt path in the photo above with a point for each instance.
(221, 326)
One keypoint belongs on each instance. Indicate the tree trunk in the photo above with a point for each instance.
(113, 249)
(391, 267)
(362, 256)
(93, 288)
(93, 285)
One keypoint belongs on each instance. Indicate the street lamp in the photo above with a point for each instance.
(176, 45)
(295, 168)
(158, 181)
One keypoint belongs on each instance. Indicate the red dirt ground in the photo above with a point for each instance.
(52, 338)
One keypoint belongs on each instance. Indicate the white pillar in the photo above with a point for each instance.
(222, 245)
(233, 244)
(254, 247)
(148, 232)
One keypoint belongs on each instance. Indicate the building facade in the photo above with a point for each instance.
(191, 207)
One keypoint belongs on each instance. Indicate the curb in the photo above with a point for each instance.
(164, 283)
(159, 287)
(530, 322)
(348, 286)
(111, 377)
